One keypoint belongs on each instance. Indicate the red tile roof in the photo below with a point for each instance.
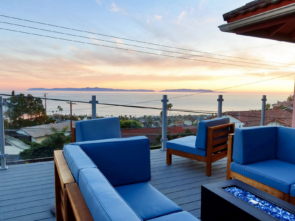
(250, 8)
(253, 118)
(283, 104)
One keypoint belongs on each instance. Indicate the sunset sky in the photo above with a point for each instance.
(28, 61)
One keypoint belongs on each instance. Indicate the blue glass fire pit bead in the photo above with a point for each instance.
(261, 204)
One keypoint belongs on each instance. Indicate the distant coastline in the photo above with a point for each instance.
(189, 90)
(88, 89)
(122, 90)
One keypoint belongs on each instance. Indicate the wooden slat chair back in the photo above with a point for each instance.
(233, 175)
(217, 139)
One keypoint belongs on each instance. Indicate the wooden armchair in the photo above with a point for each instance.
(260, 163)
(209, 146)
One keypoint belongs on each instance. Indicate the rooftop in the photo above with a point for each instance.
(45, 129)
(254, 7)
(30, 199)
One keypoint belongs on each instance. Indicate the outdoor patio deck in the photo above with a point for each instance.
(27, 191)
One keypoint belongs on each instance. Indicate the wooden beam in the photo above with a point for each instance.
(276, 28)
(292, 35)
(292, 200)
(187, 155)
(219, 156)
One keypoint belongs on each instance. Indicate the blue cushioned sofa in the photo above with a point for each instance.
(112, 176)
(264, 157)
(208, 146)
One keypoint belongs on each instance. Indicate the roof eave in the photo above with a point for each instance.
(269, 15)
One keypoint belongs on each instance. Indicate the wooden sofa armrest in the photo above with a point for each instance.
(64, 173)
(78, 204)
(229, 154)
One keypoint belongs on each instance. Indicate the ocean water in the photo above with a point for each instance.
(197, 102)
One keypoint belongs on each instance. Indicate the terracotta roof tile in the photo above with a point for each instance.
(250, 7)
(253, 118)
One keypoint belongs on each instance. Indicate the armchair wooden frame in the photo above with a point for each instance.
(233, 175)
(69, 201)
(216, 148)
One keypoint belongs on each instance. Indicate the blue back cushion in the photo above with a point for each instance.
(254, 144)
(98, 129)
(77, 160)
(286, 144)
(122, 160)
(201, 141)
(103, 201)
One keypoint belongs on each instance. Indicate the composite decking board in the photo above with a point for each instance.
(187, 199)
(196, 212)
(31, 217)
(181, 181)
(180, 162)
(195, 179)
(181, 187)
(32, 164)
(33, 204)
(26, 194)
(178, 167)
(29, 176)
(28, 180)
(29, 190)
(183, 175)
(26, 199)
(28, 173)
(20, 185)
(163, 178)
(26, 211)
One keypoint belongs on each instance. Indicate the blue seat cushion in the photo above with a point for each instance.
(286, 144)
(255, 144)
(180, 216)
(77, 160)
(201, 141)
(98, 129)
(186, 144)
(273, 173)
(123, 161)
(103, 201)
(292, 191)
(146, 201)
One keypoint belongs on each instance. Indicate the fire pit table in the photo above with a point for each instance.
(235, 200)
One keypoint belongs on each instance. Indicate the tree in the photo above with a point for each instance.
(24, 111)
(169, 107)
(149, 121)
(53, 142)
(290, 97)
(130, 124)
(267, 106)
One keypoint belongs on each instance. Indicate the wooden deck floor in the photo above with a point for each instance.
(27, 191)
